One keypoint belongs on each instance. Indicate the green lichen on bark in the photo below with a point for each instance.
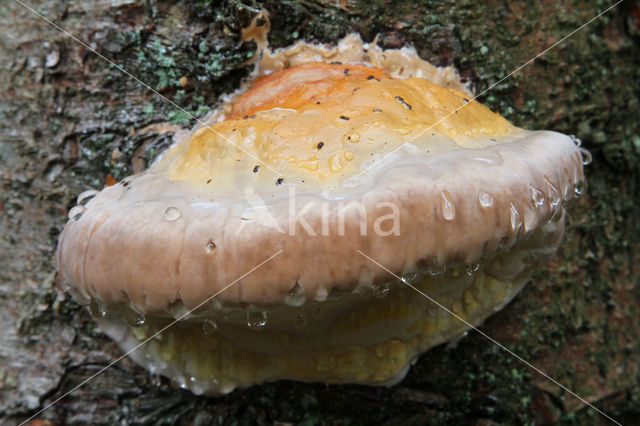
(578, 320)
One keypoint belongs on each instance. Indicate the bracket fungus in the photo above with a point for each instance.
(327, 152)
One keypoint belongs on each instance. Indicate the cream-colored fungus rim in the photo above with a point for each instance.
(452, 209)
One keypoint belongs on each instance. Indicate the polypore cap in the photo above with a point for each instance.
(331, 153)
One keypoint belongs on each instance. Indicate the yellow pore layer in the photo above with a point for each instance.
(218, 365)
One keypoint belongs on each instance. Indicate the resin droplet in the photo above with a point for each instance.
(537, 197)
(76, 212)
(86, 196)
(209, 327)
(448, 208)
(172, 213)
(256, 320)
(486, 200)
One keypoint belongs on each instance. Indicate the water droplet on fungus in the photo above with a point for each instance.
(448, 208)
(172, 213)
(486, 200)
(256, 320)
(209, 327)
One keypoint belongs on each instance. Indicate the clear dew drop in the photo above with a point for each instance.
(97, 309)
(256, 320)
(514, 216)
(380, 291)
(210, 247)
(577, 142)
(557, 214)
(295, 296)
(300, 321)
(489, 159)
(436, 271)
(554, 193)
(411, 278)
(586, 156)
(76, 212)
(354, 137)
(580, 188)
(537, 196)
(448, 208)
(486, 200)
(296, 290)
(135, 319)
(209, 327)
(472, 268)
(86, 196)
(64, 286)
(172, 213)
(530, 218)
(334, 163)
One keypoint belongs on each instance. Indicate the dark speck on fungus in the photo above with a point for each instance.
(402, 101)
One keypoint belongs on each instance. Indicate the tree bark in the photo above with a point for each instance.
(69, 121)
